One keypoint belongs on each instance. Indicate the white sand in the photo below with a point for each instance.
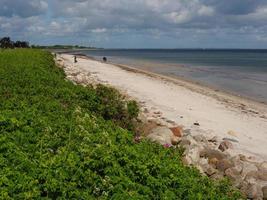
(218, 113)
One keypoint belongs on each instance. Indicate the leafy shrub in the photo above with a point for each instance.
(61, 141)
(113, 107)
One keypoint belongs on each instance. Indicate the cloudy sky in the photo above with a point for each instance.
(137, 23)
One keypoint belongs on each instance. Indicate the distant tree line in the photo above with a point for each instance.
(7, 43)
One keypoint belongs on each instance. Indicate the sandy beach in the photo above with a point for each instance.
(201, 109)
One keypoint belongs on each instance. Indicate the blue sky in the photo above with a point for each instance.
(137, 23)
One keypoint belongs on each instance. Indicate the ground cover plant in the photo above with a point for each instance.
(62, 141)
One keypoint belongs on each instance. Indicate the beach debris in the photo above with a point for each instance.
(225, 145)
(231, 139)
(196, 124)
(170, 121)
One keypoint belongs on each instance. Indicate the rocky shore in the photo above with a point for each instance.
(214, 156)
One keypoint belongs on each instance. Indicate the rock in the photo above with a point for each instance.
(231, 139)
(200, 138)
(211, 153)
(224, 164)
(210, 170)
(251, 177)
(202, 165)
(232, 173)
(184, 142)
(185, 160)
(264, 191)
(146, 110)
(213, 161)
(142, 118)
(242, 157)
(248, 167)
(192, 154)
(225, 145)
(217, 176)
(214, 140)
(263, 166)
(254, 191)
(146, 128)
(238, 164)
(156, 121)
(161, 135)
(175, 140)
(187, 132)
(235, 176)
(158, 113)
(262, 174)
(177, 131)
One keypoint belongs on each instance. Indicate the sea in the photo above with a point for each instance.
(242, 72)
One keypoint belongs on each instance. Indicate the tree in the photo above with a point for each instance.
(21, 44)
(6, 42)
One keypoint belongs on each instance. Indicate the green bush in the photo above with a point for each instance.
(61, 141)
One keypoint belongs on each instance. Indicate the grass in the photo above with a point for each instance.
(62, 141)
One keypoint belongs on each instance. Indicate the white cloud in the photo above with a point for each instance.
(146, 18)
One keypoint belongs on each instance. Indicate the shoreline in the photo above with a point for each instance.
(246, 118)
(185, 82)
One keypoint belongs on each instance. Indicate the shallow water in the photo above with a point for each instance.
(243, 72)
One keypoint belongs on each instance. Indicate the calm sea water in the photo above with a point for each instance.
(243, 72)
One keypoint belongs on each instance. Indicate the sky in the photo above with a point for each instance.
(137, 23)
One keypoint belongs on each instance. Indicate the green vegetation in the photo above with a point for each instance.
(7, 43)
(62, 141)
(62, 47)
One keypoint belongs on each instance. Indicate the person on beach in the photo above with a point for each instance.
(75, 59)
(105, 59)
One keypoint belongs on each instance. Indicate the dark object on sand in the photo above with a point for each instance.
(105, 59)
(75, 59)
(196, 124)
